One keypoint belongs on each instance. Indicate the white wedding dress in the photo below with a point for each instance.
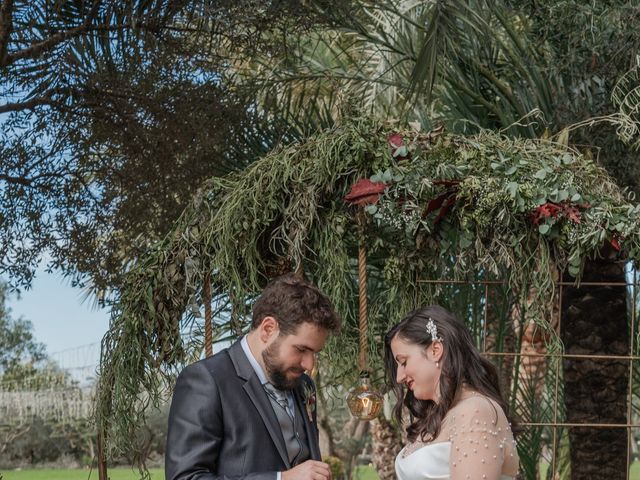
(475, 442)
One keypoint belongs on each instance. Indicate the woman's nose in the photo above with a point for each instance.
(400, 375)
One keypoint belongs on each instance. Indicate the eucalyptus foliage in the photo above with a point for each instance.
(286, 212)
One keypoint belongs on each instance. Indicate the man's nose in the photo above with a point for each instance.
(308, 360)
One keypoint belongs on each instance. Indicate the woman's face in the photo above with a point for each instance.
(417, 367)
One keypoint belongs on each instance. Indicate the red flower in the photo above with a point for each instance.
(572, 213)
(546, 210)
(615, 241)
(555, 210)
(444, 201)
(399, 150)
(309, 399)
(396, 140)
(365, 192)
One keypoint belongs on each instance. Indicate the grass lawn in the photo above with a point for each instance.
(362, 473)
(77, 474)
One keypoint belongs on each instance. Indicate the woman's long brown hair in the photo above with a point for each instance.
(461, 363)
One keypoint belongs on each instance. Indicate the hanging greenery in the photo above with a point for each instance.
(428, 203)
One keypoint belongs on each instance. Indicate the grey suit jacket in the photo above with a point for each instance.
(222, 425)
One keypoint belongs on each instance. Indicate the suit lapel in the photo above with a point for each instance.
(259, 398)
(309, 425)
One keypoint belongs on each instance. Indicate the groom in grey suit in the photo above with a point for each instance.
(248, 412)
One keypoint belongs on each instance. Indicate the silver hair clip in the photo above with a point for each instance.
(432, 330)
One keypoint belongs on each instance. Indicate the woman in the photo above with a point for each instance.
(458, 428)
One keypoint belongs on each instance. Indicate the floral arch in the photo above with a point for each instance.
(430, 205)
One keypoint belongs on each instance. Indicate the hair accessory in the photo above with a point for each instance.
(432, 330)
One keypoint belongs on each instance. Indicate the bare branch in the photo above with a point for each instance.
(37, 49)
(6, 24)
(19, 180)
(27, 104)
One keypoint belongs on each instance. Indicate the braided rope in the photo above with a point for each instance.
(362, 312)
(208, 325)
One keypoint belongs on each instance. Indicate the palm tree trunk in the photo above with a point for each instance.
(386, 443)
(594, 322)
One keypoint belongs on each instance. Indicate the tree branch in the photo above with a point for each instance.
(38, 48)
(19, 180)
(27, 104)
(6, 24)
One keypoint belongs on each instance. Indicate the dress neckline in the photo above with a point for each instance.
(413, 447)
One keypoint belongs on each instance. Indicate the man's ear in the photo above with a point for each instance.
(268, 328)
(436, 349)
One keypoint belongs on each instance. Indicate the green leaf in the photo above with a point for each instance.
(512, 188)
(576, 197)
(511, 170)
(400, 151)
(387, 176)
(540, 174)
(465, 242)
(371, 209)
(567, 158)
(544, 228)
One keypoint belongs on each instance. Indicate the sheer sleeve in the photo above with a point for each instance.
(482, 446)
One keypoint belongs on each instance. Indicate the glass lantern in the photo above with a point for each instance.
(364, 402)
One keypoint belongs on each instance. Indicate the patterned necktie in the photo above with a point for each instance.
(279, 396)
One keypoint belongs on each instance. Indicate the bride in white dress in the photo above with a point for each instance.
(458, 429)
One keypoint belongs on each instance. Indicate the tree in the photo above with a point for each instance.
(17, 343)
(24, 366)
(115, 113)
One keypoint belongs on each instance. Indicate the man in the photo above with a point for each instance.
(246, 412)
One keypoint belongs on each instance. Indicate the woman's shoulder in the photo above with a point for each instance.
(474, 407)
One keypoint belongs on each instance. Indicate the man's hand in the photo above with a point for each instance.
(309, 470)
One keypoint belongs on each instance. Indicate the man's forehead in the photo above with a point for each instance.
(308, 335)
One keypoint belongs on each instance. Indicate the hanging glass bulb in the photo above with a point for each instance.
(364, 402)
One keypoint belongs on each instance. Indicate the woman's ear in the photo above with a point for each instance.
(436, 349)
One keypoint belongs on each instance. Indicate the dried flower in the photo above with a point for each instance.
(365, 192)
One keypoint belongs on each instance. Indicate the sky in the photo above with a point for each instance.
(70, 327)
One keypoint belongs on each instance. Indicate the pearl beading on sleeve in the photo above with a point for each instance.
(480, 438)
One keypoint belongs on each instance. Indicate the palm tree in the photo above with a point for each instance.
(594, 325)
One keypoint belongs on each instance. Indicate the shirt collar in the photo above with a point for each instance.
(252, 360)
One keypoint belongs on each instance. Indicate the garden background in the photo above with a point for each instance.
(171, 157)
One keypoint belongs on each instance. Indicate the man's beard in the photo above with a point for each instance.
(276, 372)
